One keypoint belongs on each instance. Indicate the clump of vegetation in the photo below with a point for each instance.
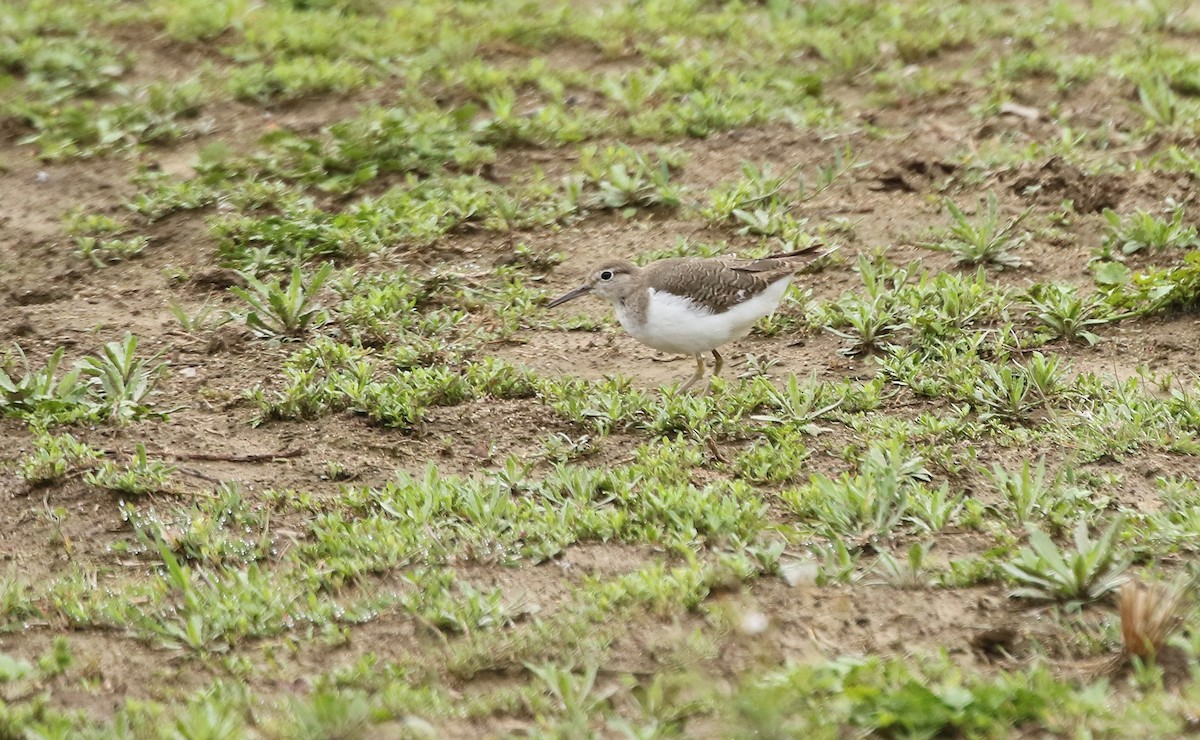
(991, 241)
(95, 238)
(1152, 613)
(1094, 569)
(1142, 230)
(1067, 315)
(54, 456)
(114, 384)
(1157, 290)
(279, 312)
(139, 477)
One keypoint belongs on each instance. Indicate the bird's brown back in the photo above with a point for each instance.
(719, 283)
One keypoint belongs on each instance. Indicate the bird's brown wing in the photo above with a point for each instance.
(774, 262)
(717, 284)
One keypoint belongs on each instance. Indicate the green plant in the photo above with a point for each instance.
(991, 242)
(560, 447)
(857, 508)
(1013, 390)
(101, 252)
(1030, 495)
(1143, 230)
(768, 222)
(16, 599)
(39, 390)
(278, 312)
(58, 69)
(844, 161)
(577, 696)
(757, 189)
(1066, 314)
(209, 719)
(204, 319)
(632, 91)
(376, 142)
(288, 79)
(552, 124)
(836, 563)
(1047, 573)
(214, 530)
(628, 179)
(156, 113)
(326, 713)
(868, 324)
(873, 316)
(1158, 103)
(79, 222)
(139, 477)
(911, 573)
(124, 382)
(935, 509)
(620, 188)
(771, 461)
(757, 367)
(53, 457)
(800, 405)
(1172, 288)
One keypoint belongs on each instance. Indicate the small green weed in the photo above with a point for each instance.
(1013, 390)
(204, 319)
(123, 382)
(289, 79)
(54, 457)
(1143, 230)
(157, 113)
(284, 313)
(16, 602)
(990, 242)
(1066, 314)
(377, 142)
(94, 235)
(1090, 572)
(39, 392)
(913, 572)
(101, 252)
(139, 477)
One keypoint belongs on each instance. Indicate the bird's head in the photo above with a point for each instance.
(612, 280)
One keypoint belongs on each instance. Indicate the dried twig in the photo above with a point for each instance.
(218, 457)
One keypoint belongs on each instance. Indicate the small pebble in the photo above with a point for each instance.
(799, 573)
(754, 623)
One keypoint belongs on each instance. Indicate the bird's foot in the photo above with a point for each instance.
(670, 358)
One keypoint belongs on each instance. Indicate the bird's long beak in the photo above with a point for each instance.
(581, 290)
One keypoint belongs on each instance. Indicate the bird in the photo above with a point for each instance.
(691, 306)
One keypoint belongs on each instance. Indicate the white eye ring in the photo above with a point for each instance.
(606, 275)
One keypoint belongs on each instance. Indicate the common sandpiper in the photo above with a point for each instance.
(691, 306)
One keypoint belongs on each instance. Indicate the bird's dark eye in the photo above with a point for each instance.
(606, 275)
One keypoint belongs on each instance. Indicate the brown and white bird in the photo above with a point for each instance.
(691, 306)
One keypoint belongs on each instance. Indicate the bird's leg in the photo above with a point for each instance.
(699, 374)
(718, 363)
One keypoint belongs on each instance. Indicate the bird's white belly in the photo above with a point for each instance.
(676, 324)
